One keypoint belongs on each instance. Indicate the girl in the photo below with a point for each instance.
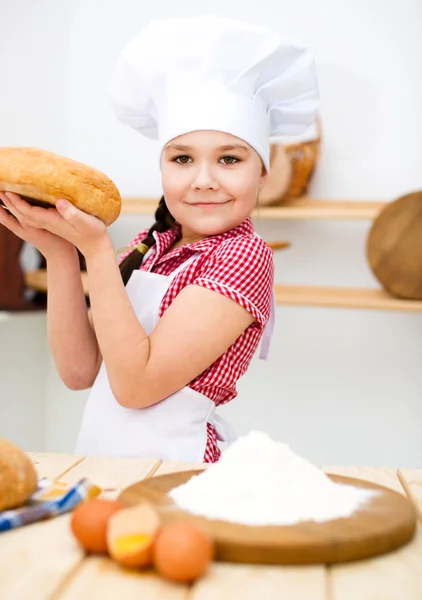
(173, 328)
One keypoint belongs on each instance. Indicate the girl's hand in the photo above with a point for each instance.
(65, 221)
(46, 242)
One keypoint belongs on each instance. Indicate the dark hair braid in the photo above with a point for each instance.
(164, 220)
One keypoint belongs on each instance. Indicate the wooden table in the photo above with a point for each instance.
(43, 561)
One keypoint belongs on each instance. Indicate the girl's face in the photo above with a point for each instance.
(210, 182)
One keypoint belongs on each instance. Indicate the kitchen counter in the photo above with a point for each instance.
(43, 561)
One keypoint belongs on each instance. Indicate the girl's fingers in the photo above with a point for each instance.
(15, 198)
(10, 205)
(2, 196)
(21, 206)
(31, 216)
(17, 207)
(62, 223)
(10, 222)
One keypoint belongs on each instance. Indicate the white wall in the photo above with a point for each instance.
(33, 107)
(342, 386)
(23, 373)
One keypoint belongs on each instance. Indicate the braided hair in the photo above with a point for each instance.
(164, 220)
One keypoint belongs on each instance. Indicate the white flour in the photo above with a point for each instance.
(259, 481)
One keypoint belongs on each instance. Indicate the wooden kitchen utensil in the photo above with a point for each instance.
(394, 247)
(384, 523)
(278, 245)
(292, 167)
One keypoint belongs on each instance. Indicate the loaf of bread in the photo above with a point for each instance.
(18, 478)
(42, 178)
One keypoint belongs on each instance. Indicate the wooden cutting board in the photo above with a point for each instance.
(385, 523)
(394, 247)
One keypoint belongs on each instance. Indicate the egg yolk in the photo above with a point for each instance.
(126, 544)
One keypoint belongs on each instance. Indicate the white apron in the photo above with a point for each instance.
(174, 428)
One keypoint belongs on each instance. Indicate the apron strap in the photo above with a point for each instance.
(225, 432)
(184, 265)
(180, 268)
(268, 331)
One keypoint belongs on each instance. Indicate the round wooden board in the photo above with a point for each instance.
(394, 247)
(385, 523)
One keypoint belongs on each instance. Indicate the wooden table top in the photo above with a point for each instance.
(43, 561)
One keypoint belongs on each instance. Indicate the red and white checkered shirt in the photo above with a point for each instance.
(237, 264)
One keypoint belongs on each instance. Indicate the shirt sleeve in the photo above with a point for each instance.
(136, 240)
(242, 269)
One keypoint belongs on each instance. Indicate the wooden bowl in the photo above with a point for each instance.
(292, 167)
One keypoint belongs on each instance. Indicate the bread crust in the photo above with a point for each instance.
(18, 478)
(39, 175)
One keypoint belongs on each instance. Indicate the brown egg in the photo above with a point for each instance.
(89, 523)
(182, 551)
(131, 535)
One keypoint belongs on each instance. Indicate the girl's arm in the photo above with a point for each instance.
(198, 327)
(72, 340)
(71, 336)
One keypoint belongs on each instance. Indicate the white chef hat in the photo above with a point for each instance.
(211, 73)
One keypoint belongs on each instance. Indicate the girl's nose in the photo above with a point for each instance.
(204, 179)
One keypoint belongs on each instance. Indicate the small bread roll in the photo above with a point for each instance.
(18, 478)
(42, 178)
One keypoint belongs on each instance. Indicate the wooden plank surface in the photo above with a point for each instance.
(53, 466)
(382, 476)
(411, 480)
(101, 579)
(44, 562)
(174, 466)
(112, 473)
(397, 576)
(256, 582)
(35, 559)
(394, 576)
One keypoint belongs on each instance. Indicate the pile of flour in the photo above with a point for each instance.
(258, 481)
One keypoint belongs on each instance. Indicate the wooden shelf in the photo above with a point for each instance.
(375, 299)
(302, 208)
(296, 295)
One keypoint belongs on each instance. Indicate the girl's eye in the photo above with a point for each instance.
(229, 160)
(182, 160)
